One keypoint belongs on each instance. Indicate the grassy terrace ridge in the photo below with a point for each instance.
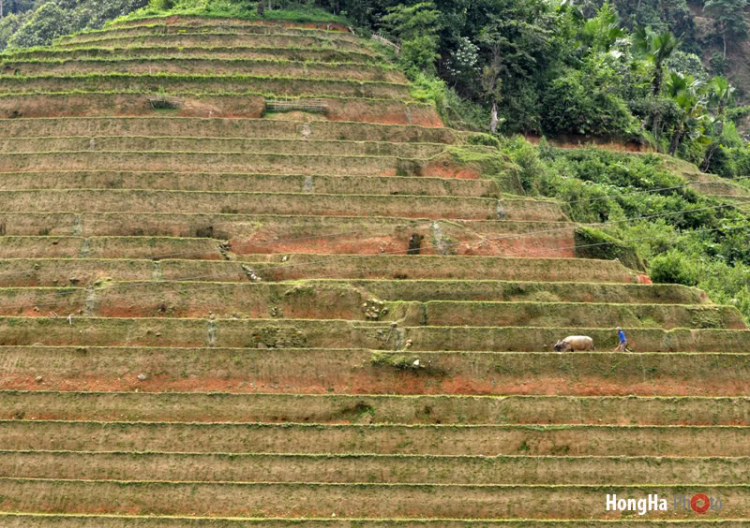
(143, 247)
(713, 185)
(165, 125)
(216, 94)
(291, 438)
(356, 468)
(225, 39)
(344, 500)
(295, 228)
(248, 182)
(278, 85)
(136, 32)
(271, 235)
(299, 53)
(378, 409)
(295, 333)
(202, 104)
(307, 164)
(234, 202)
(562, 314)
(241, 302)
(44, 272)
(347, 371)
(309, 303)
(458, 291)
(18, 520)
(209, 26)
(194, 65)
(316, 18)
(178, 144)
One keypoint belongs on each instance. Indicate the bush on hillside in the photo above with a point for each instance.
(483, 140)
(47, 23)
(584, 103)
(595, 244)
(161, 5)
(526, 156)
(61, 17)
(673, 268)
(8, 27)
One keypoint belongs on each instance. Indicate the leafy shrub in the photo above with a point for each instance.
(673, 268)
(485, 140)
(8, 27)
(577, 102)
(419, 54)
(732, 162)
(162, 5)
(526, 156)
(428, 88)
(399, 361)
(595, 244)
(55, 19)
(723, 164)
(47, 23)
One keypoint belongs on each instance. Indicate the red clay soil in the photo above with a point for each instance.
(422, 118)
(449, 170)
(541, 247)
(573, 142)
(404, 383)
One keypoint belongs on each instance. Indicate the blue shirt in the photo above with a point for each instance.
(622, 337)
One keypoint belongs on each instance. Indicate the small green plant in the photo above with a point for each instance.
(162, 102)
(483, 140)
(399, 361)
(161, 5)
(673, 268)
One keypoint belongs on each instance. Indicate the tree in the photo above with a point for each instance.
(603, 31)
(656, 48)
(719, 95)
(585, 101)
(8, 27)
(690, 98)
(413, 21)
(513, 44)
(416, 29)
(48, 22)
(730, 19)
(60, 17)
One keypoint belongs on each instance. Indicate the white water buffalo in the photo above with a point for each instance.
(575, 343)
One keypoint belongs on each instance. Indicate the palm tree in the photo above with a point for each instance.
(690, 97)
(719, 94)
(602, 32)
(656, 48)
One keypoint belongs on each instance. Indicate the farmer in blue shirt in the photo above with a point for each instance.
(623, 341)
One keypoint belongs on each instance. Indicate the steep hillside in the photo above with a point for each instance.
(249, 279)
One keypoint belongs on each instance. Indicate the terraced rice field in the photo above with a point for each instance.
(217, 314)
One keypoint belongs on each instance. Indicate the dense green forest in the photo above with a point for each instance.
(27, 23)
(627, 70)
(647, 71)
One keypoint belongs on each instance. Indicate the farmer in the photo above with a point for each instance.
(622, 341)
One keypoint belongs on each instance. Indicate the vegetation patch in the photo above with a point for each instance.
(596, 244)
